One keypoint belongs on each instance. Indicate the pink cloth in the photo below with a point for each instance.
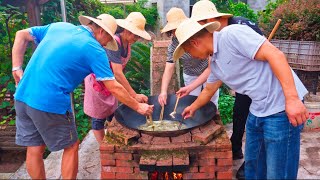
(98, 101)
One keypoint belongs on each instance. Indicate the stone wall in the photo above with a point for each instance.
(158, 53)
(165, 5)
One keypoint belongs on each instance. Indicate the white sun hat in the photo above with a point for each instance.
(175, 17)
(187, 29)
(135, 23)
(205, 9)
(106, 22)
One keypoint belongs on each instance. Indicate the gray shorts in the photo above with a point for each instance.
(36, 128)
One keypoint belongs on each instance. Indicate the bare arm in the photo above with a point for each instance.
(199, 81)
(21, 41)
(118, 91)
(202, 99)
(121, 78)
(295, 109)
(166, 78)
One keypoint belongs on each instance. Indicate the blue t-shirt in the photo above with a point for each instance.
(65, 55)
(235, 47)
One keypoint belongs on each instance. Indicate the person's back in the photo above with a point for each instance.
(57, 67)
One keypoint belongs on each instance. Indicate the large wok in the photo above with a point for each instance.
(131, 119)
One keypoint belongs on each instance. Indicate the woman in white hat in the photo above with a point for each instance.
(192, 67)
(99, 104)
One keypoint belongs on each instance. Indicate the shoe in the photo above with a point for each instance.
(240, 173)
(237, 155)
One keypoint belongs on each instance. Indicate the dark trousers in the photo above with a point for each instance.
(240, 114)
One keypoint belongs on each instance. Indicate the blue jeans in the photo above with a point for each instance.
(272, 147)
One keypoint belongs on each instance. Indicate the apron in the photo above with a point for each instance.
(98, 101)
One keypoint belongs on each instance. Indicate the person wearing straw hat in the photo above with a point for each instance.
(99, 103)
(248, 63)
(64, 56)
(192, 68)
(204, 11)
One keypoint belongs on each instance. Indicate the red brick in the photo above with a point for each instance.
(106, 147)
(208, 132)
(193, 169)
(124, 169)
(167, 161)
(108, 175)
(224, 162)
(106, 162)
(136, 170)
(123, 156)
(224, 175)
(181, 160)
(126, 163)
(195, 131)
(145, 139)
(207, 162)
(160, 140)
(163, 43)
(147, 161)
(182, 138)
(198, 175)
(131, 176)
(223, 168)
(215, 154)
(107, 156)
(206, 169)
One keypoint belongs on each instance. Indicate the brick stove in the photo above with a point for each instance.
(203, 153)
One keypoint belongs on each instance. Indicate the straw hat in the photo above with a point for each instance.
(106, 22)
(135, 23)
(175, 17)
(187, 29)
(205, 9)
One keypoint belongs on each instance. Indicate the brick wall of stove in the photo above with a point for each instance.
(158, 61)
(121, 164)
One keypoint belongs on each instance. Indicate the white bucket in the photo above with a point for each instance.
(313, 122)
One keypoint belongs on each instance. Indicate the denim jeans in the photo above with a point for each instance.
(272, 147)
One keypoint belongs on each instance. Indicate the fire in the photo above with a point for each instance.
(165, 175)
(177, 176)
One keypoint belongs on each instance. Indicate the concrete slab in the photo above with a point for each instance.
(89, 162)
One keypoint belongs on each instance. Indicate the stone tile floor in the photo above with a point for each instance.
(89, 161)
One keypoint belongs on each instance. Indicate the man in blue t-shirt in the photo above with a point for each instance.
(248, 63)
(65, 55)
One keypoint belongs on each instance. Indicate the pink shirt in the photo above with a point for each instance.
(98, 102)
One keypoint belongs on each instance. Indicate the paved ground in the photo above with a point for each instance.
(89, 165)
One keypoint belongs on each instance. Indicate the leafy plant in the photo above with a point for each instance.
(150, 13)
(236, 8)
(82, 121)
(300, 19)
(226, 103)
(138, 68)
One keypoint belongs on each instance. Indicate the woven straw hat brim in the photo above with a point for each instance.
(85, 20)
(189, 32)
(210, 16)
(133, 29)
(171, 26)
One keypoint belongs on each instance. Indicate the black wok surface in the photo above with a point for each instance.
(131, 119)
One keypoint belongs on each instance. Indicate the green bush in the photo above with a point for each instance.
(138, 68)
(236, 8)
(11, 20)
(300, 19)
(226, 103)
